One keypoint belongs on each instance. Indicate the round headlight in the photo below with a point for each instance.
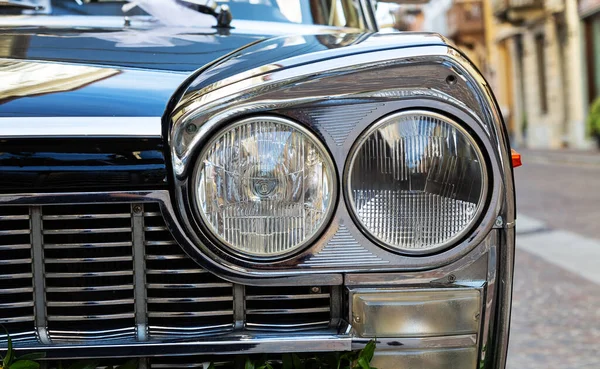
(416, 181)
(265, 186)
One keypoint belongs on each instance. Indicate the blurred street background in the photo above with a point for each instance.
(542, 58)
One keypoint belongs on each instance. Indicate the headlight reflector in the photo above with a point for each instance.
(416, 181)
(265, 186)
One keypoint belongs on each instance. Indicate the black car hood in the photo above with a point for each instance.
(58, 70)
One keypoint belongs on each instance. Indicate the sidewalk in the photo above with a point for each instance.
(561, 156)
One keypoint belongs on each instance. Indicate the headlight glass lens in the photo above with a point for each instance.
(416, 181)
(265, 186)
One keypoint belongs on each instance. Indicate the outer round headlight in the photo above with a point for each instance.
(416, 181)
(265, 186)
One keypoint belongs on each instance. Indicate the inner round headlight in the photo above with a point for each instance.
(265, 186)
(416, 181)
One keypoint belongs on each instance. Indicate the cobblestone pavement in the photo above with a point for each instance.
(555, 318)
(556, 313)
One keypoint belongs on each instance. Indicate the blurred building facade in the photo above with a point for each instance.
(542, 58)
(538, 70)
(589, 11)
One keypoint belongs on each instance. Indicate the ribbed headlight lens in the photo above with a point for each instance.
(416, 181)
(265, 186)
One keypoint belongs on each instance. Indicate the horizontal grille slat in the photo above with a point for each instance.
(87, 230)
(89, 303)
(288, 311)
(86, 216)
(287, 297)
(126, 287)
(183, 299)
(109, 259)
(49, 246)
(178, 271)
(90, 274)
(70, 318)
(88, 256)
(15, 261)
(183, 314)
(16, 275)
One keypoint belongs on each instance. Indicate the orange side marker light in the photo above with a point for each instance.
(516, 159)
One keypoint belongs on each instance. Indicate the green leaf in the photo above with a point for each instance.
(131, 364)
(297, 362)
(33, 356)
(368, 352)
(211, 366)
(362, 362)
(24, 364)
(9, 352)
(287, 362)
(249, 364)
(84, 364)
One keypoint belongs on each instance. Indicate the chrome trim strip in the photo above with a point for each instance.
(39, 279)
(139, 269)
(239, 306)
(329, 340)
(505, 288)
(393, 344)
(45, 127)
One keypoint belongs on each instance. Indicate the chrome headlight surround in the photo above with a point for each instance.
(368, 86)
(396, 118)
(199, 199)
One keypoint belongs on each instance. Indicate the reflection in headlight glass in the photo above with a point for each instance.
(264, 186)
(416, 181)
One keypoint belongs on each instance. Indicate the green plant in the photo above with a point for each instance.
(338, 360)
(10, 361)
(593, 120)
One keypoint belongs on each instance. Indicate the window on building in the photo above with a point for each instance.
(540, 42)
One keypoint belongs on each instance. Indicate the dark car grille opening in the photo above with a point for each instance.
(183, 298)
(89, 272)
(89, 258)
(16, 275)
(285, 308)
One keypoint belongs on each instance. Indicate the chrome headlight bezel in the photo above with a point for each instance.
(353, 154)
(204, 223)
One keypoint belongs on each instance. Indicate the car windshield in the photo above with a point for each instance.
(339, 13)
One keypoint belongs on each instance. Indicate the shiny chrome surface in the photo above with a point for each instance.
(125, 279)
(416, 313)
(41, 127)
(329, 340)
(419, 81)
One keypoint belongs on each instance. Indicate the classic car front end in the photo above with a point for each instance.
(223, 193)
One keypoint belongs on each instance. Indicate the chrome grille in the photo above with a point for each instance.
(89, 272)
(285, 308)
(106, 272)
(16, 275)
(183, 299)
